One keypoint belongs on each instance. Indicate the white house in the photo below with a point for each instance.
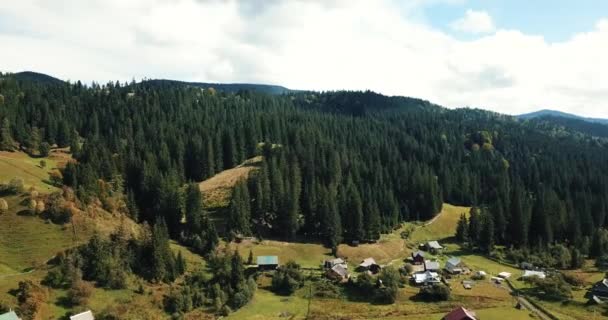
(426, 277)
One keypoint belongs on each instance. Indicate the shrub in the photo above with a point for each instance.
(79, 293)
(287, 279)
(435, 292)
(326, 289)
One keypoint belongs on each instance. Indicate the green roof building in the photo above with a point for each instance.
(268, 262)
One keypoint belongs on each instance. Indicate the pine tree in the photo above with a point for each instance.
(462, 229)
(6, 140)
(486, 236)
(474, 227)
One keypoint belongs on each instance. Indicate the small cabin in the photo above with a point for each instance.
(433, 247)
(454, 265)
(328, 264)
(267, 262)
(418, 257)
(369, 264)
(338, 273)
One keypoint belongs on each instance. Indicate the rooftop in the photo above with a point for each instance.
(87, 315)
(9, 316)
(460, 314)
(268, 260)
(434, 245)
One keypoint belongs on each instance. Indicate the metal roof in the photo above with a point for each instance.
(87, 315)
(9, 316)
(268, 260)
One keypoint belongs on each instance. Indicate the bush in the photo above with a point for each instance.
(553, 287)
(435, 292)
(574, 280)
(326, 289)
(79, 293)
(287, 279)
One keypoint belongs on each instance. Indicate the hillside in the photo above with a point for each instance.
(225, 87)
(558, 114)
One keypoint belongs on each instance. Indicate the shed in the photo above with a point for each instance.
(600, 289)
(328, 264)
(267, 262)
(87, 315)
(454, 265)
(418, 257)
(481, 273)
(433, 246)
(530, 273)
(430, 265)
(11, 315)
(338, 273)
(460, 314)
(369, 264)
(505, 275)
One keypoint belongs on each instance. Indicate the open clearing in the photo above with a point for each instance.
(22, 166)
(217, 190)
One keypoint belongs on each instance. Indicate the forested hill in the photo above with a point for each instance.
(338, 166)
(226, 87)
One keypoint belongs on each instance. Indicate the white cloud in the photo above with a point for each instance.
(342, 44)
(475, 22)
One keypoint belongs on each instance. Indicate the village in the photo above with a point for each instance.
(428, 266)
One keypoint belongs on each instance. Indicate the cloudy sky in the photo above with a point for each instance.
(509, 56)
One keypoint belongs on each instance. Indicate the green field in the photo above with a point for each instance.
(20, 165)
(28, 241)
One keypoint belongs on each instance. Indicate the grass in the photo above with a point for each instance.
(267, 305)
(217, 190)
(28, 241)
(22, 166)
(441, 228)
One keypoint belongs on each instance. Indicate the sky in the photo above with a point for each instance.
(511, 56)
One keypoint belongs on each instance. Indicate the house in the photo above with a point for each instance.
(418, 257)
(328, 264)
(87, 315)
(426, 277)
(433, 246)
(338, 273)
(600, 289)
(369, 264)
(267, 262)
(505, 275)
(530, 273)
(11, 315)
(454, 265)
(460, 314)
(430, 265)
(497, 280)
(481, 274)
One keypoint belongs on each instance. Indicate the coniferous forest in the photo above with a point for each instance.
(338, 166)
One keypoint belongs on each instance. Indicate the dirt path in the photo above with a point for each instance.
(527, 304)
(17, 274)
(434, 218)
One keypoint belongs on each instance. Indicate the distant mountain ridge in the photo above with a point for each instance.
(36, 77)
(227, 87)
(554, 113)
